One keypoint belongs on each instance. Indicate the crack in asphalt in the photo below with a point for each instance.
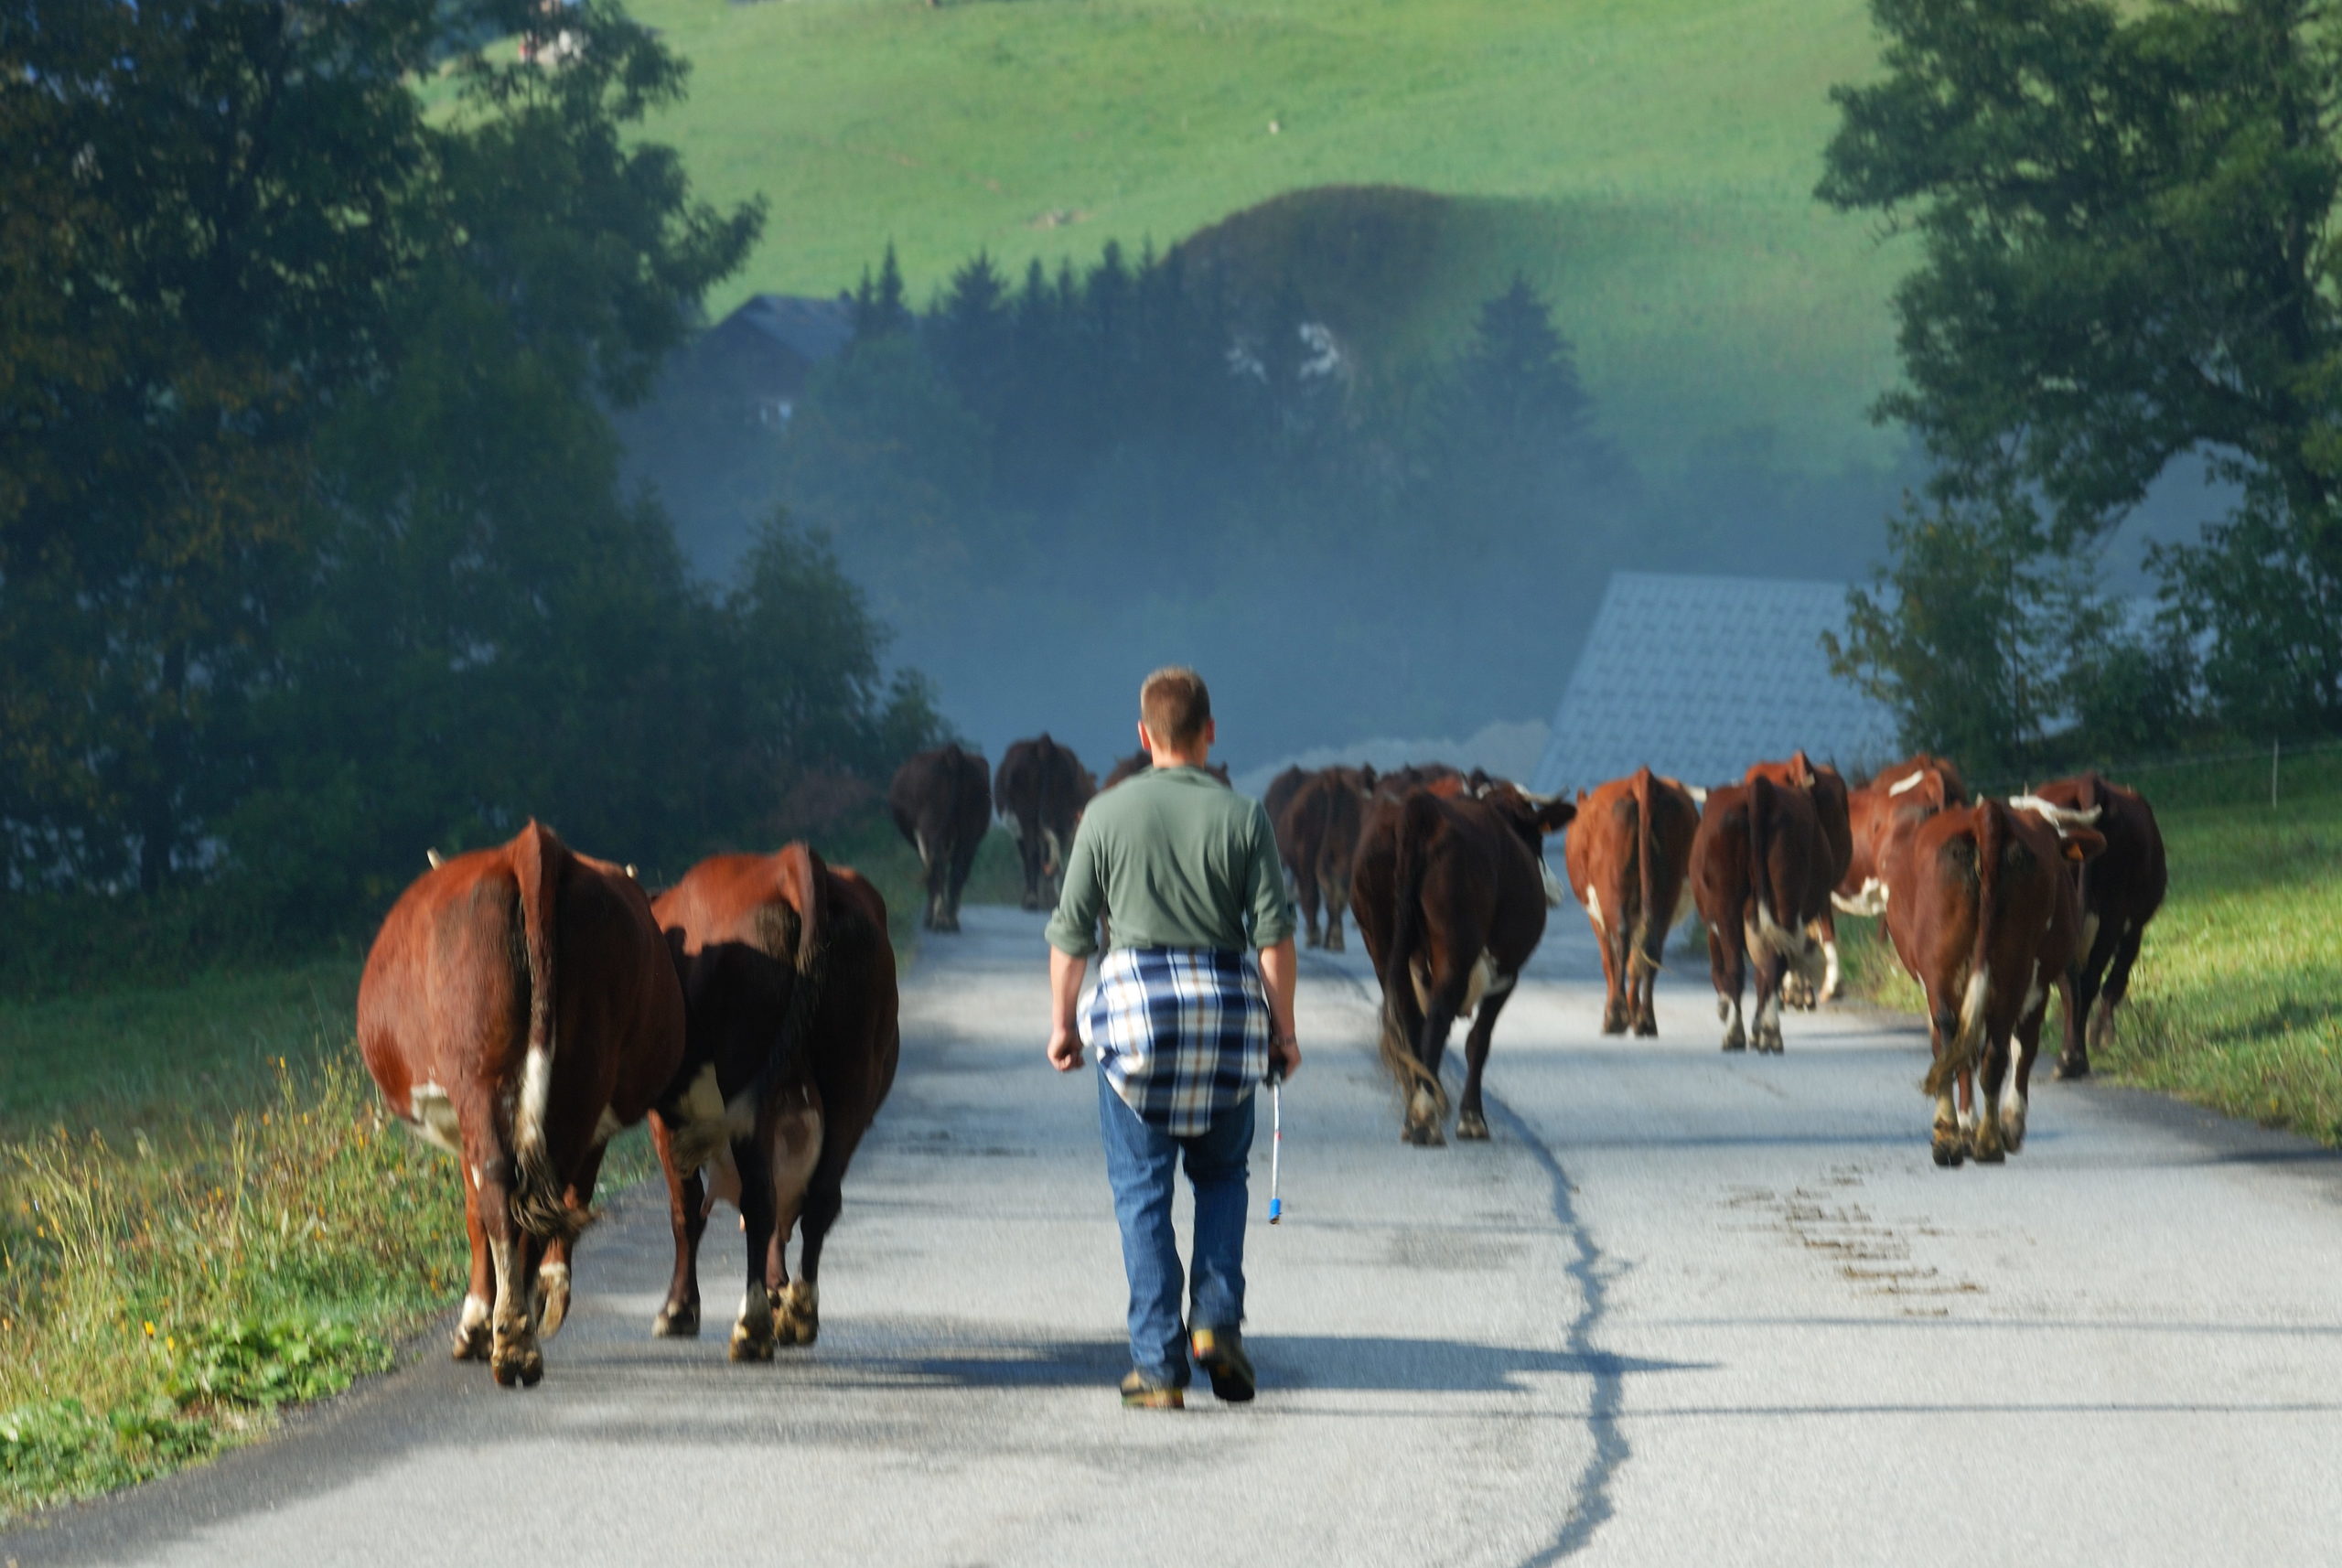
(1590, 1505)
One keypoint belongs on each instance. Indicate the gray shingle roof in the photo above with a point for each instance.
(1699, 677)
(812, 329)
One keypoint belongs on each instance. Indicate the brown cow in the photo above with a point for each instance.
(1139, 762)
(1627, 853)
(2120, 891)
(1888, 805)
(789, 982)
(942, 804)
(519, 1007)
(1828, 791)
(1436, 777)
(1040, 790)
(1984, 915)
(1450, 896)
(1281, 792)
(1318, 836)
(1762, 869)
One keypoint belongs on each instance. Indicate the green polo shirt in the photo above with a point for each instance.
(1175, 859)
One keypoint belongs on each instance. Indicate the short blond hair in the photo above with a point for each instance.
(1174, 705)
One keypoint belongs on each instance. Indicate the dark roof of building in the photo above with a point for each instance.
(1698, 677)
(814, 329)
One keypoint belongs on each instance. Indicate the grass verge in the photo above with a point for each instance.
(170, 1278)
(2237, 1000)
(205, 1214)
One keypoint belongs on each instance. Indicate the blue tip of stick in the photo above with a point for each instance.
(1276, 1209)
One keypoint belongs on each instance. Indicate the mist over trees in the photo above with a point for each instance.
(2127, 218)
(1050, 482)
(314, 550)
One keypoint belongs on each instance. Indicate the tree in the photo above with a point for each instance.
(2126, 220)
(881, 308)
(1510, 457)
(233, 180)
(1953, 635)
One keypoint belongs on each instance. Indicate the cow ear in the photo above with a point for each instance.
(1555, 815)
(2079, 844)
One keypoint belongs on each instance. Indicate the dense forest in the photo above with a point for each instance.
(1050, 483)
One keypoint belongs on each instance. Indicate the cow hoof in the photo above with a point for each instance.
(749, 1346)
(2073, 1066)
(1613, 1021)
(1647, 1028)
(798, 1318)
(676, 1322)
(1422, 1135)
(1029, 902)
(2013, 1134)
(1335, 944)
(520, 1367)
(471, 1344)
(1987, 1146)
(1736, 1041)
(1471, 1127)
(1951, 1146)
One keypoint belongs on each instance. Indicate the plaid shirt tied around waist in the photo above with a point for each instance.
(1182, 1035)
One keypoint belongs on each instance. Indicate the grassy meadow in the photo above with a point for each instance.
(1649, 163)
(2236, 1002)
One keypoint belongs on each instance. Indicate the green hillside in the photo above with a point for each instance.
(1648, 163)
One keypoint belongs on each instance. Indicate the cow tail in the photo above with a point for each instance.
(803, 879)
(1650, 937)
(1967, 1047)
(538, 1203)
(1418, 818)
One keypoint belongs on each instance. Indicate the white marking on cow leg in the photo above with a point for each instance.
(553, 1298)
(433, 1119)
(752, 1332)
(2013, 1111)
(1833, 984)
(1554, 892)
(1594, 907)
(472, 1330)
(926, 855)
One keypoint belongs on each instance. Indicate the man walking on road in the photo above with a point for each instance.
(1185, 1022)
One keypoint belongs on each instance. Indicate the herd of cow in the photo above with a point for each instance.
(523, 1004)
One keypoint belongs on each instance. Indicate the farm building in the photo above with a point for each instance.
(760, 356)
(1699, 677)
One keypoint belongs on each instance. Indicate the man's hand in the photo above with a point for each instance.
(1279, 969)
(1284, 1056)
(1065, 998)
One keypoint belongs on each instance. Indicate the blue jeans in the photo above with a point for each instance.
(1140, 1161)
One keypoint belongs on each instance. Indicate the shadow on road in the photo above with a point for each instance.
(1367, 1363)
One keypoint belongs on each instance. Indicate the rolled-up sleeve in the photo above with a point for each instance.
(1073, 929)
(1271, 915)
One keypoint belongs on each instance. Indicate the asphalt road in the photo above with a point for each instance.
(1686, 1308)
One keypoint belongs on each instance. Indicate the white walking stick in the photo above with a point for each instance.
(1276, 1139)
